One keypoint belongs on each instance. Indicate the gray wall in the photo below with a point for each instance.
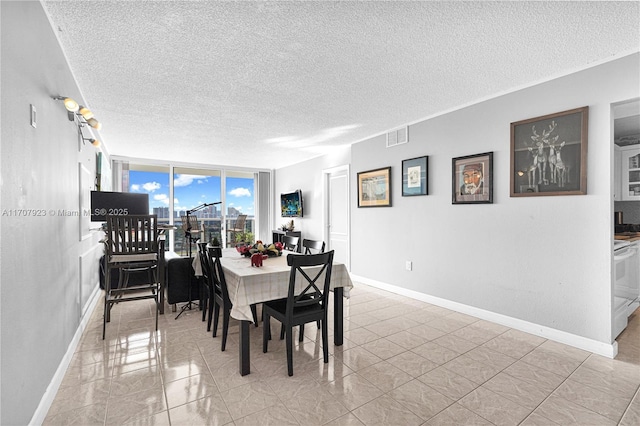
(42, 296)
(543, 260)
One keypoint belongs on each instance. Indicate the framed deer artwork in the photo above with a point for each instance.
(549, 154)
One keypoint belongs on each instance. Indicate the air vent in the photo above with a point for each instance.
(398, 136)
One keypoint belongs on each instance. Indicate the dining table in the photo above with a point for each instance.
(248, 285)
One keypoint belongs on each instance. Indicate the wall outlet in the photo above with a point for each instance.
(408, 265)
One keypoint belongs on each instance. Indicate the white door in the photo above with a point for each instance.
(336, 217)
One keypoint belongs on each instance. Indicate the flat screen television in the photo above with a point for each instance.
(117, 203)
(291, 204)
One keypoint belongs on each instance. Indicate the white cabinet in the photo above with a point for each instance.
(630, 177)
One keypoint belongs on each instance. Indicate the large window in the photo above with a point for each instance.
(152, 180)
(197, 193)
(240, 200)
(214, 198)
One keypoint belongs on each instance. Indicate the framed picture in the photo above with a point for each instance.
(414, 176)
(374, 188)
(473, 179)
(549, 154)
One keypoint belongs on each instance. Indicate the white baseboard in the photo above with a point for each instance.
(49, 395)
(599, 348)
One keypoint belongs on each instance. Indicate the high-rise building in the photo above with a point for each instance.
(162, 212)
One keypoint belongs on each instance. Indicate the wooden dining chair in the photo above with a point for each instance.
(221, 300)
(298, 308)
(238, 226)
(290, 243)
(132, 246)
(309, 246)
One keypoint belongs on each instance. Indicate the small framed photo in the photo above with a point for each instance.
(415, 172)
(473, 179)
(374, 188)
(549, 154)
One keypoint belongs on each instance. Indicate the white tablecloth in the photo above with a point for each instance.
(249, 284)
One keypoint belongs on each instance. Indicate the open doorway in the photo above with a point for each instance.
(336, 213)
(626, 214)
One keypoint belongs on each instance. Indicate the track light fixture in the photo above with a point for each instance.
(85, 112)
(82, 114)
(94, 142)
(94, 123)
(69, 104)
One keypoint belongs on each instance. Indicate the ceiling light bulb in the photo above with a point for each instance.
(85, 112)
(95, 142)
(70, 104)
(94, 123)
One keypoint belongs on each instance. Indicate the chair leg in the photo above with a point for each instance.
(210, 305)
(266, 331)
(289, 336)
(107, 287)
(203, 306)
(104, 319)
(157, 310)
(254, 311)
(216, 317)
(226, 313)
(325, 340)
(301, 337)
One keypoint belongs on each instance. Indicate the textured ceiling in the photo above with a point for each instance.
(268, 84)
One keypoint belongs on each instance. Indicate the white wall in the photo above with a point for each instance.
(43, 293)
(307, 176)
(543, 261)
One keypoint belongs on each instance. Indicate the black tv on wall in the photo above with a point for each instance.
(117, 203)
(291, 204)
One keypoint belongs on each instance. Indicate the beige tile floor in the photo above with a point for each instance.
(404, 362)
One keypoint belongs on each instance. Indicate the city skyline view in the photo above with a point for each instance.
(191, 191)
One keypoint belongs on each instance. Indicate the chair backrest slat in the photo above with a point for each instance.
(309, 245)
(204, 262)
(290, 242)
(240, 222)
(314, 271)
(132, 234)
(219, 283)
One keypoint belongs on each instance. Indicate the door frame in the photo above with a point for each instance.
(326, 175)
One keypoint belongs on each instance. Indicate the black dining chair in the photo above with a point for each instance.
(221, 300)
(290, 243)
(208, 301)
(309, 246)
(298, 308)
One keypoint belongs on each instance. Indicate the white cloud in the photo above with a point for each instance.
(186, 180)
(151, 186)
(163, 198)
(240, 192)
(135, 187)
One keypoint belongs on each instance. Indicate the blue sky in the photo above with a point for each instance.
(192, 190)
